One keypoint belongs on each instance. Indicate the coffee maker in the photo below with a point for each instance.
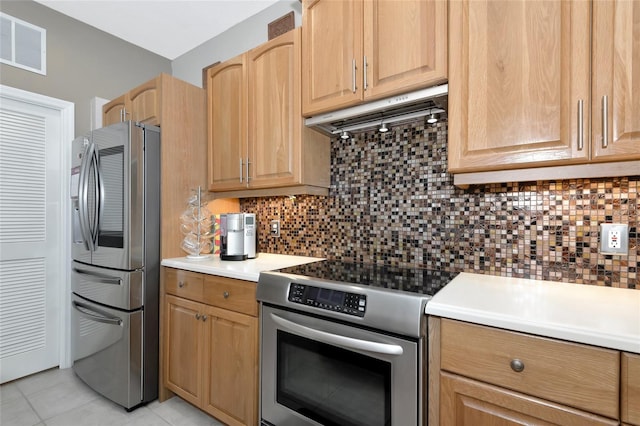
(238, 236)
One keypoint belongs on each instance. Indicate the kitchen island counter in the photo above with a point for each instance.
(594, 315)
(248, 270)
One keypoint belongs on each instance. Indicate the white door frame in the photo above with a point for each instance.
(66, 111)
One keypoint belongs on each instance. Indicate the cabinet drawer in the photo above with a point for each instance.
(631, 388)
(184, 284)
(573, 374)
(231, 294)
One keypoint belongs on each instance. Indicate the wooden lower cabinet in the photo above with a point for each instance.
(481, 375)
(210, 354)
(471, 403)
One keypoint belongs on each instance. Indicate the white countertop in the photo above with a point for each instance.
(248, 270)
(595, 315)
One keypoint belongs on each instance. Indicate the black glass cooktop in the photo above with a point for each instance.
(414, 280)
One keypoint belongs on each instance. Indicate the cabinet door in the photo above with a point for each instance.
(518, 72)
(630, 385)
(112, 112)
(275, 118)
(464, 402)
(232, 367)
(145, 102)
(405, 45)
(183, 348)
(227, 124)
(332, 55)
(616, 75)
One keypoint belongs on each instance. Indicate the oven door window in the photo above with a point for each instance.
(331, 385)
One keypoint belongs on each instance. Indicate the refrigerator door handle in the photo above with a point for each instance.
(83, 202)
(89, 312)
(105, 279)
(95, 225)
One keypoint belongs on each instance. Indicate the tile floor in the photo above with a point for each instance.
(58, 398)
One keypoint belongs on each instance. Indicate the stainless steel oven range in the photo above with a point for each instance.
(344, 344)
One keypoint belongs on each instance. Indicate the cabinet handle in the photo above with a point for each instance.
(364, 73)
(123, 114)
(225, 294)
(353, 76)
(580, 125)
(180, 284)
(248, 162)
(204, 318)
(197, 316)
(605, 121)
(240, 169)
(517, 365)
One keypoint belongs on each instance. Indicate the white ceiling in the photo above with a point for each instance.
(168, 28)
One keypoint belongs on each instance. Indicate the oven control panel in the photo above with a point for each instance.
(329, 299)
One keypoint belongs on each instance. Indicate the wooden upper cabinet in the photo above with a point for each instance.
(144, 102)
(518, 83)
(113, 111)
(227, 125)
(405, 46)
(332, 54)
(274, 112)
(141, 104)
(616, 76)
(355, 50)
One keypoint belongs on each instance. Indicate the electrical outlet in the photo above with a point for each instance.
(614, 239)
(274, 230)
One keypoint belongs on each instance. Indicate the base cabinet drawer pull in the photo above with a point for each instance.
(204, 318)
(181, 284)
(517, 365)
(225, 294)
(197, 316)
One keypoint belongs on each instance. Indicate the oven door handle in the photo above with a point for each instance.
(336, 339)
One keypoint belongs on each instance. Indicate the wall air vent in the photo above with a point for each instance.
(22, 44)
(409, 106)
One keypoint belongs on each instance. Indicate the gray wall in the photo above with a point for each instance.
(82, 61)
(236, 40)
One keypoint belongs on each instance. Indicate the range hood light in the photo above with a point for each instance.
(383, 128)
(432, 119)
(345, 135)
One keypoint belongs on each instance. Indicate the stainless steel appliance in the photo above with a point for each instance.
(115, 195)
(238, 236)
(344, 344)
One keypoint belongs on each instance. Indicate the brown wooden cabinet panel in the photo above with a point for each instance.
(355, 50)
(210, 353)
(232, 367)
(517, 72)
(616, 75)
(576, 375)
(183, 340)
(112, 112)
(405, 46)
(145, 101)
(274, 148)
(466, 402)
(630, 386)
(227, 124)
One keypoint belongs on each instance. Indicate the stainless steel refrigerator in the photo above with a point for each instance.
(115, 272)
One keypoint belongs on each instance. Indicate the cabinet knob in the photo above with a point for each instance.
(197, 316)
(517, 365)
(204, 318)
(180, 284)
(225, 294)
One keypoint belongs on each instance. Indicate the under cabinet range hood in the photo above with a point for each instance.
(408, 106)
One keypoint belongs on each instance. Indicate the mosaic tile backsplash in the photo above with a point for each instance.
(392, 202)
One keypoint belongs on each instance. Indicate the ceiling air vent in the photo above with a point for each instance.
(22, 44)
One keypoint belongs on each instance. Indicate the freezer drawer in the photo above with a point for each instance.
(120, 289)
(107, 351)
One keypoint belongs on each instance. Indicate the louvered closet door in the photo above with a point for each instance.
(30, 227)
